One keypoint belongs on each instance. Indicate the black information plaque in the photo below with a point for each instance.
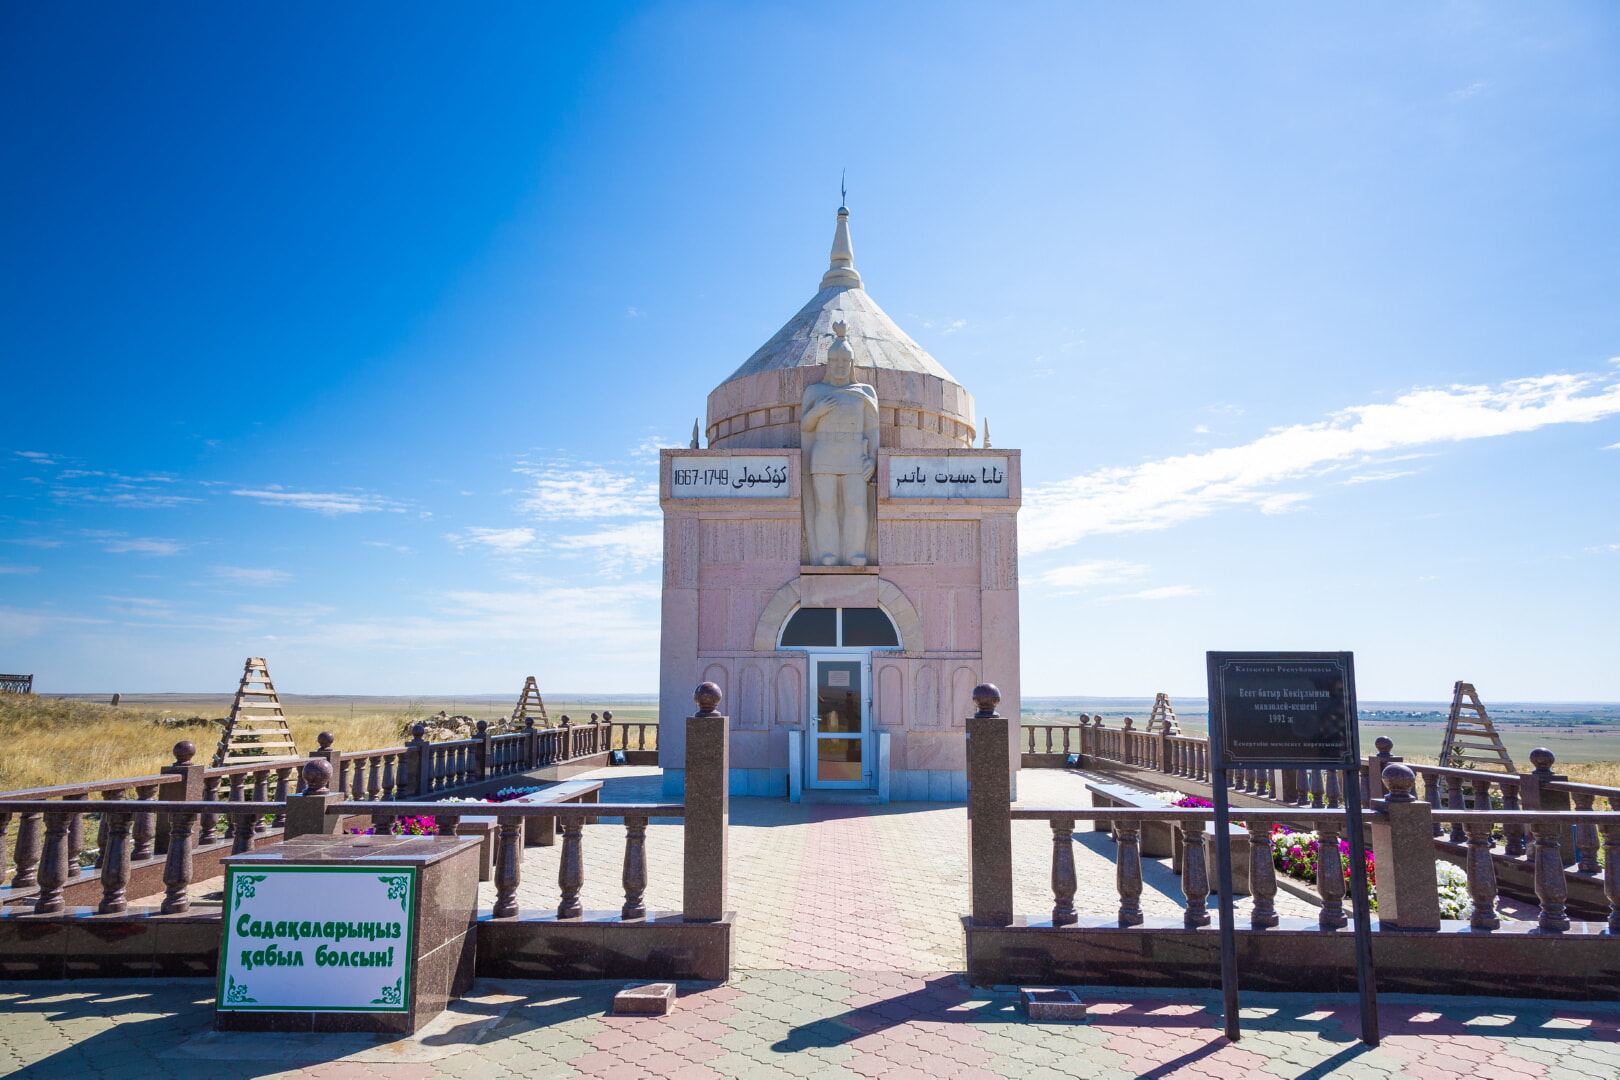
(1288, 710)
(1283, 710)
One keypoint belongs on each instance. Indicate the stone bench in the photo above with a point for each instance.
(485, 828)
(1158, 838)
(1240, 857)
(542, 831)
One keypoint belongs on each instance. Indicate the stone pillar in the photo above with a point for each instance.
(1403, 853)
(417, 773)
(708, 805)
(1534, 796)
(185, 785)
(989, 736)
(319, 809)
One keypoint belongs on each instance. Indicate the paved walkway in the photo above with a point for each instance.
(846, 952)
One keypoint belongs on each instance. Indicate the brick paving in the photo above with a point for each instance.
(847, 953)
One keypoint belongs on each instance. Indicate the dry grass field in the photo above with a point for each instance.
(51, 740)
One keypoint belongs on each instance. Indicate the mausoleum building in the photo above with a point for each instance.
(841, 559)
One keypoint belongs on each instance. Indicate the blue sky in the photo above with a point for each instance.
(317, 322)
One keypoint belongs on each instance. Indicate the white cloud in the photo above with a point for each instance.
(618, 619)
(1374, 477)
(144, 546)
(637, 545)
(1605, 548)
(505, 541)
(1163, 493)
(38, 457)
(251, 575)
(4, 569)
(330, 503)
(566, 492)
(1088, 574)
(1613, 446)
(1163, 592)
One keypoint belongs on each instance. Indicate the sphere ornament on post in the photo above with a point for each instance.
(1399, 781)
(325, 740)
(707, 697)
(418, 730)
(317, 776)
(986, 696)
(1542, 758)
(1383, 744)
(184, 751)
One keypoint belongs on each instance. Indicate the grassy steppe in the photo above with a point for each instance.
(50, 740)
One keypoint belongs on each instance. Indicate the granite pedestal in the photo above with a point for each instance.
(441, 939)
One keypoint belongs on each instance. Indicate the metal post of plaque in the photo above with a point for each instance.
(1271, 710)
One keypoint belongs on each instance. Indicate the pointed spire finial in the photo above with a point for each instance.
(841, 274)
(987, 433)
(694, 445)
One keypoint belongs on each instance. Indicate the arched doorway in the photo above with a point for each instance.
(839, 749)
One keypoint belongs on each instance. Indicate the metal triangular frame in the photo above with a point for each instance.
(1469, 720)
(256, 730)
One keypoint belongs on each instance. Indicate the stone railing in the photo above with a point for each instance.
(330, 800)
(1536, 822)
(420, 769)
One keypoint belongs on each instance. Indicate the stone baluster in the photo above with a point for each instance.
(76, 841)
(52, 864)
(355, 789)
(1066, 740)
(145, 828)
(1586, 835)
(30, 842)
(641, 736)
(1482, 797)
(1611, 873)
(238, 794)
(1063, 874)
(1330, 883)
(1262, 875)
(1512, 832)
(571, 868)
(1290, 786)
(1128, 871)
(208, 824)
(261, 793)
(1335, 789)
(115, 863)
(374, 779)
(242, 831)
(635, 868)
(1481, 876)
(177, 867)
(1432, 794)
(5, 832)
(284, 787)
(1454, 801)
(508, 863)
(390, 774)
(1194, 873)
(1551, 888)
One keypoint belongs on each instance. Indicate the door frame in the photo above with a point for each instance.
(840, 654)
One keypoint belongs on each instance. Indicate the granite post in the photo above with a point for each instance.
(318, 811)
(185, 785)
(708, 764)
(989, 741)
(1403, 852)
(1534, 796)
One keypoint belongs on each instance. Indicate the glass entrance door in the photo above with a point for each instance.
(838, 757)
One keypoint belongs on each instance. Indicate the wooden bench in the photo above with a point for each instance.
(542, 831)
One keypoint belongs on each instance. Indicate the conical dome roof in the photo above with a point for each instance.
(919, 401)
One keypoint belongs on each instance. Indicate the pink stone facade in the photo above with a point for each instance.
(946, 574)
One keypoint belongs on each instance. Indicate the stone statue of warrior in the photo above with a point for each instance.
(838, 420)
